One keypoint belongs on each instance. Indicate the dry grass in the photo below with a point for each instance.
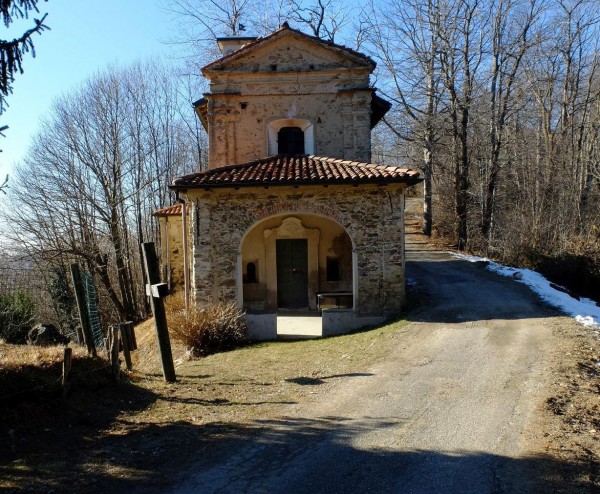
(256, 380)
(30, 373)
(15, 357)
(92, 434)
(141, 433)
(24, 367)
(217, 328)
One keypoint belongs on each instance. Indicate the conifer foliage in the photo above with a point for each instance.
(12, 51)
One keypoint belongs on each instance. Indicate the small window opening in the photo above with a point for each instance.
(251, 273)
(274, 67)
(290, 140)
(243, 106)
(333, 269)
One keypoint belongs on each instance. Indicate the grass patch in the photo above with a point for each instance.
(250, 382)
(110, 438)
(30, 372)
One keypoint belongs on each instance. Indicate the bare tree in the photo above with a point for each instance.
(96, 171)
(461, 25)
(201, 22)
(511, 34)
(403, 37)
(325, 18)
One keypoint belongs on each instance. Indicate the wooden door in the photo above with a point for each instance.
(292, 273)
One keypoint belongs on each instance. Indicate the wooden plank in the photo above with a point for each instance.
(158, 311)
(160, 290)
(126, 345)
(114, 353)
(131, 334)
(66, 371)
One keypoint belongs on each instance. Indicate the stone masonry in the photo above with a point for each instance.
(297, 80)
(371, 215)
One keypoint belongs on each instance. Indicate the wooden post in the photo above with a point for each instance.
(66, 370)
(114, 352)
(126, 345)
(155, 290)
(86, 327)
(107, 344)
(131, 334)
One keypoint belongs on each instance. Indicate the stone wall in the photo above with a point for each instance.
(238, 125)
(291, 79)
(371, 215)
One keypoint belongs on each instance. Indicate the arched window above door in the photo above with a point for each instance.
(290, 136)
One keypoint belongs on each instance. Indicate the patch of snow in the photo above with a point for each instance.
(584, 311)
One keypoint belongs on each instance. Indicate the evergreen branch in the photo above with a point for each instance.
(11, 56)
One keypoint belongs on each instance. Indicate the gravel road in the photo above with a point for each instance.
(447, 412)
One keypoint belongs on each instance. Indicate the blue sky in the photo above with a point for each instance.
(85, 36)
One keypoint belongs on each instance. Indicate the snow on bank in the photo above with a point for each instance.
(585, 311)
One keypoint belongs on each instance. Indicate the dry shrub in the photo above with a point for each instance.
(577, 268)
(217, 328)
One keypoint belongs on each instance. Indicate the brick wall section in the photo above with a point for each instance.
(371, 215)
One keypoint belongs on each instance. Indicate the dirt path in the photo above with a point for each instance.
(451, 410)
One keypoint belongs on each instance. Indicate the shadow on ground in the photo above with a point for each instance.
(454, 291)
(296, 455)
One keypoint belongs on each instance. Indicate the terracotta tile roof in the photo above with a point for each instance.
(173, 210)
(297, 170)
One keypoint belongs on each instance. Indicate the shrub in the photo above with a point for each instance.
(217, 328)
(64, 302)
(580, 273)
(16, 317)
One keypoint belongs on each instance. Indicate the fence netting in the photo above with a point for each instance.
(92, 306)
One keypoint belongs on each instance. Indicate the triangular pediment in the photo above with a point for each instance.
(289, 50)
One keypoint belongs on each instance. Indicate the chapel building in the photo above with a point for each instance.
(290, 216)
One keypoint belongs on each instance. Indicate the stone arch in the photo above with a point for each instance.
(295, 225)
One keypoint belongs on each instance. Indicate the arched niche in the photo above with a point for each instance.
(326, 239)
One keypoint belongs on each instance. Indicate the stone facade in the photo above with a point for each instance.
(346, 214)
(294, 81)
(372, 216)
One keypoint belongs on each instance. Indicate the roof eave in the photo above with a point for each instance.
(409, 181)
(201, 110)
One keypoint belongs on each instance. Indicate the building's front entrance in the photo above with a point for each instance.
(292, 273)
(289, 261)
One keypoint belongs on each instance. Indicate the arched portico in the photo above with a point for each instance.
(285, 261)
